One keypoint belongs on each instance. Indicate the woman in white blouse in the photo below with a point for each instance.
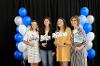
(31, 38)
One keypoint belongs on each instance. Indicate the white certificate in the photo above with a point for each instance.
(78, 38)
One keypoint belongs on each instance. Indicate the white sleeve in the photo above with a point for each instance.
(25, 37)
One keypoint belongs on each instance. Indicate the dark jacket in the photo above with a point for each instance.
(50, 43)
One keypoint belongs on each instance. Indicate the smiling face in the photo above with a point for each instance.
(34, 25)
(60, 23)
(74, 21)
(46, 22)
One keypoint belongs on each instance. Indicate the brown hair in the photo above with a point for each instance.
(63, 22)
(42, 29)
(77, 18)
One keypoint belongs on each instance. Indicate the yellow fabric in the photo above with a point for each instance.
(63, 52)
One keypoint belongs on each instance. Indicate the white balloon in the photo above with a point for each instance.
(82, 19)
(90, 36)
(18, 20)
(90, 19)
(89, 45)
(22, 29)
(22, 47)
(25, 55)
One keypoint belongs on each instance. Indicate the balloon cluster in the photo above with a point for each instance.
(86, 22)
(22, 21)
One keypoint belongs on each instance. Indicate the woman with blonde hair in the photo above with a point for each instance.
(79, 52)
(31, 38)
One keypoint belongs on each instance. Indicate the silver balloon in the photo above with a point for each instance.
(82, 19)
(22, 47)
(18, 20)
(90, 36)
(89, 45)
(90, 19)
(22, 29)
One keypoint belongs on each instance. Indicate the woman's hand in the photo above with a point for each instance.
(53, 53)
(57, 44)
(44, 44)
(60, 44)
(27, 43)
(78, 48)
(30, 44)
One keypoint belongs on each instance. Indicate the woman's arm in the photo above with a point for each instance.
(84, 37)
(55, 41)
(84, 43)
(79, 48)
(25, 39)
(68, 38)
(27, 43)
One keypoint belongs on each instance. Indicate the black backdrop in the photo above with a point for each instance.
(38, 9)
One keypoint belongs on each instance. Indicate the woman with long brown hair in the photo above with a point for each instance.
(63, 42)
(46, 42)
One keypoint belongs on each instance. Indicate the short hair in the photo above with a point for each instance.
(31, 25)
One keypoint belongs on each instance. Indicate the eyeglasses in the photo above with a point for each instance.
(73, 20)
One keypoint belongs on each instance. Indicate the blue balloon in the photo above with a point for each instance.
(87, 27)
(18, 55)
(17, 29)
(17, 44)
(84, 11)
(22, 12)
(91, 53)
(18, 37)
(26, 20)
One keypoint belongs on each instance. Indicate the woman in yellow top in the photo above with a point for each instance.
(63, 42)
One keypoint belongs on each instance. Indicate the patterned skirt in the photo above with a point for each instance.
(33, 54)
(79, 58)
